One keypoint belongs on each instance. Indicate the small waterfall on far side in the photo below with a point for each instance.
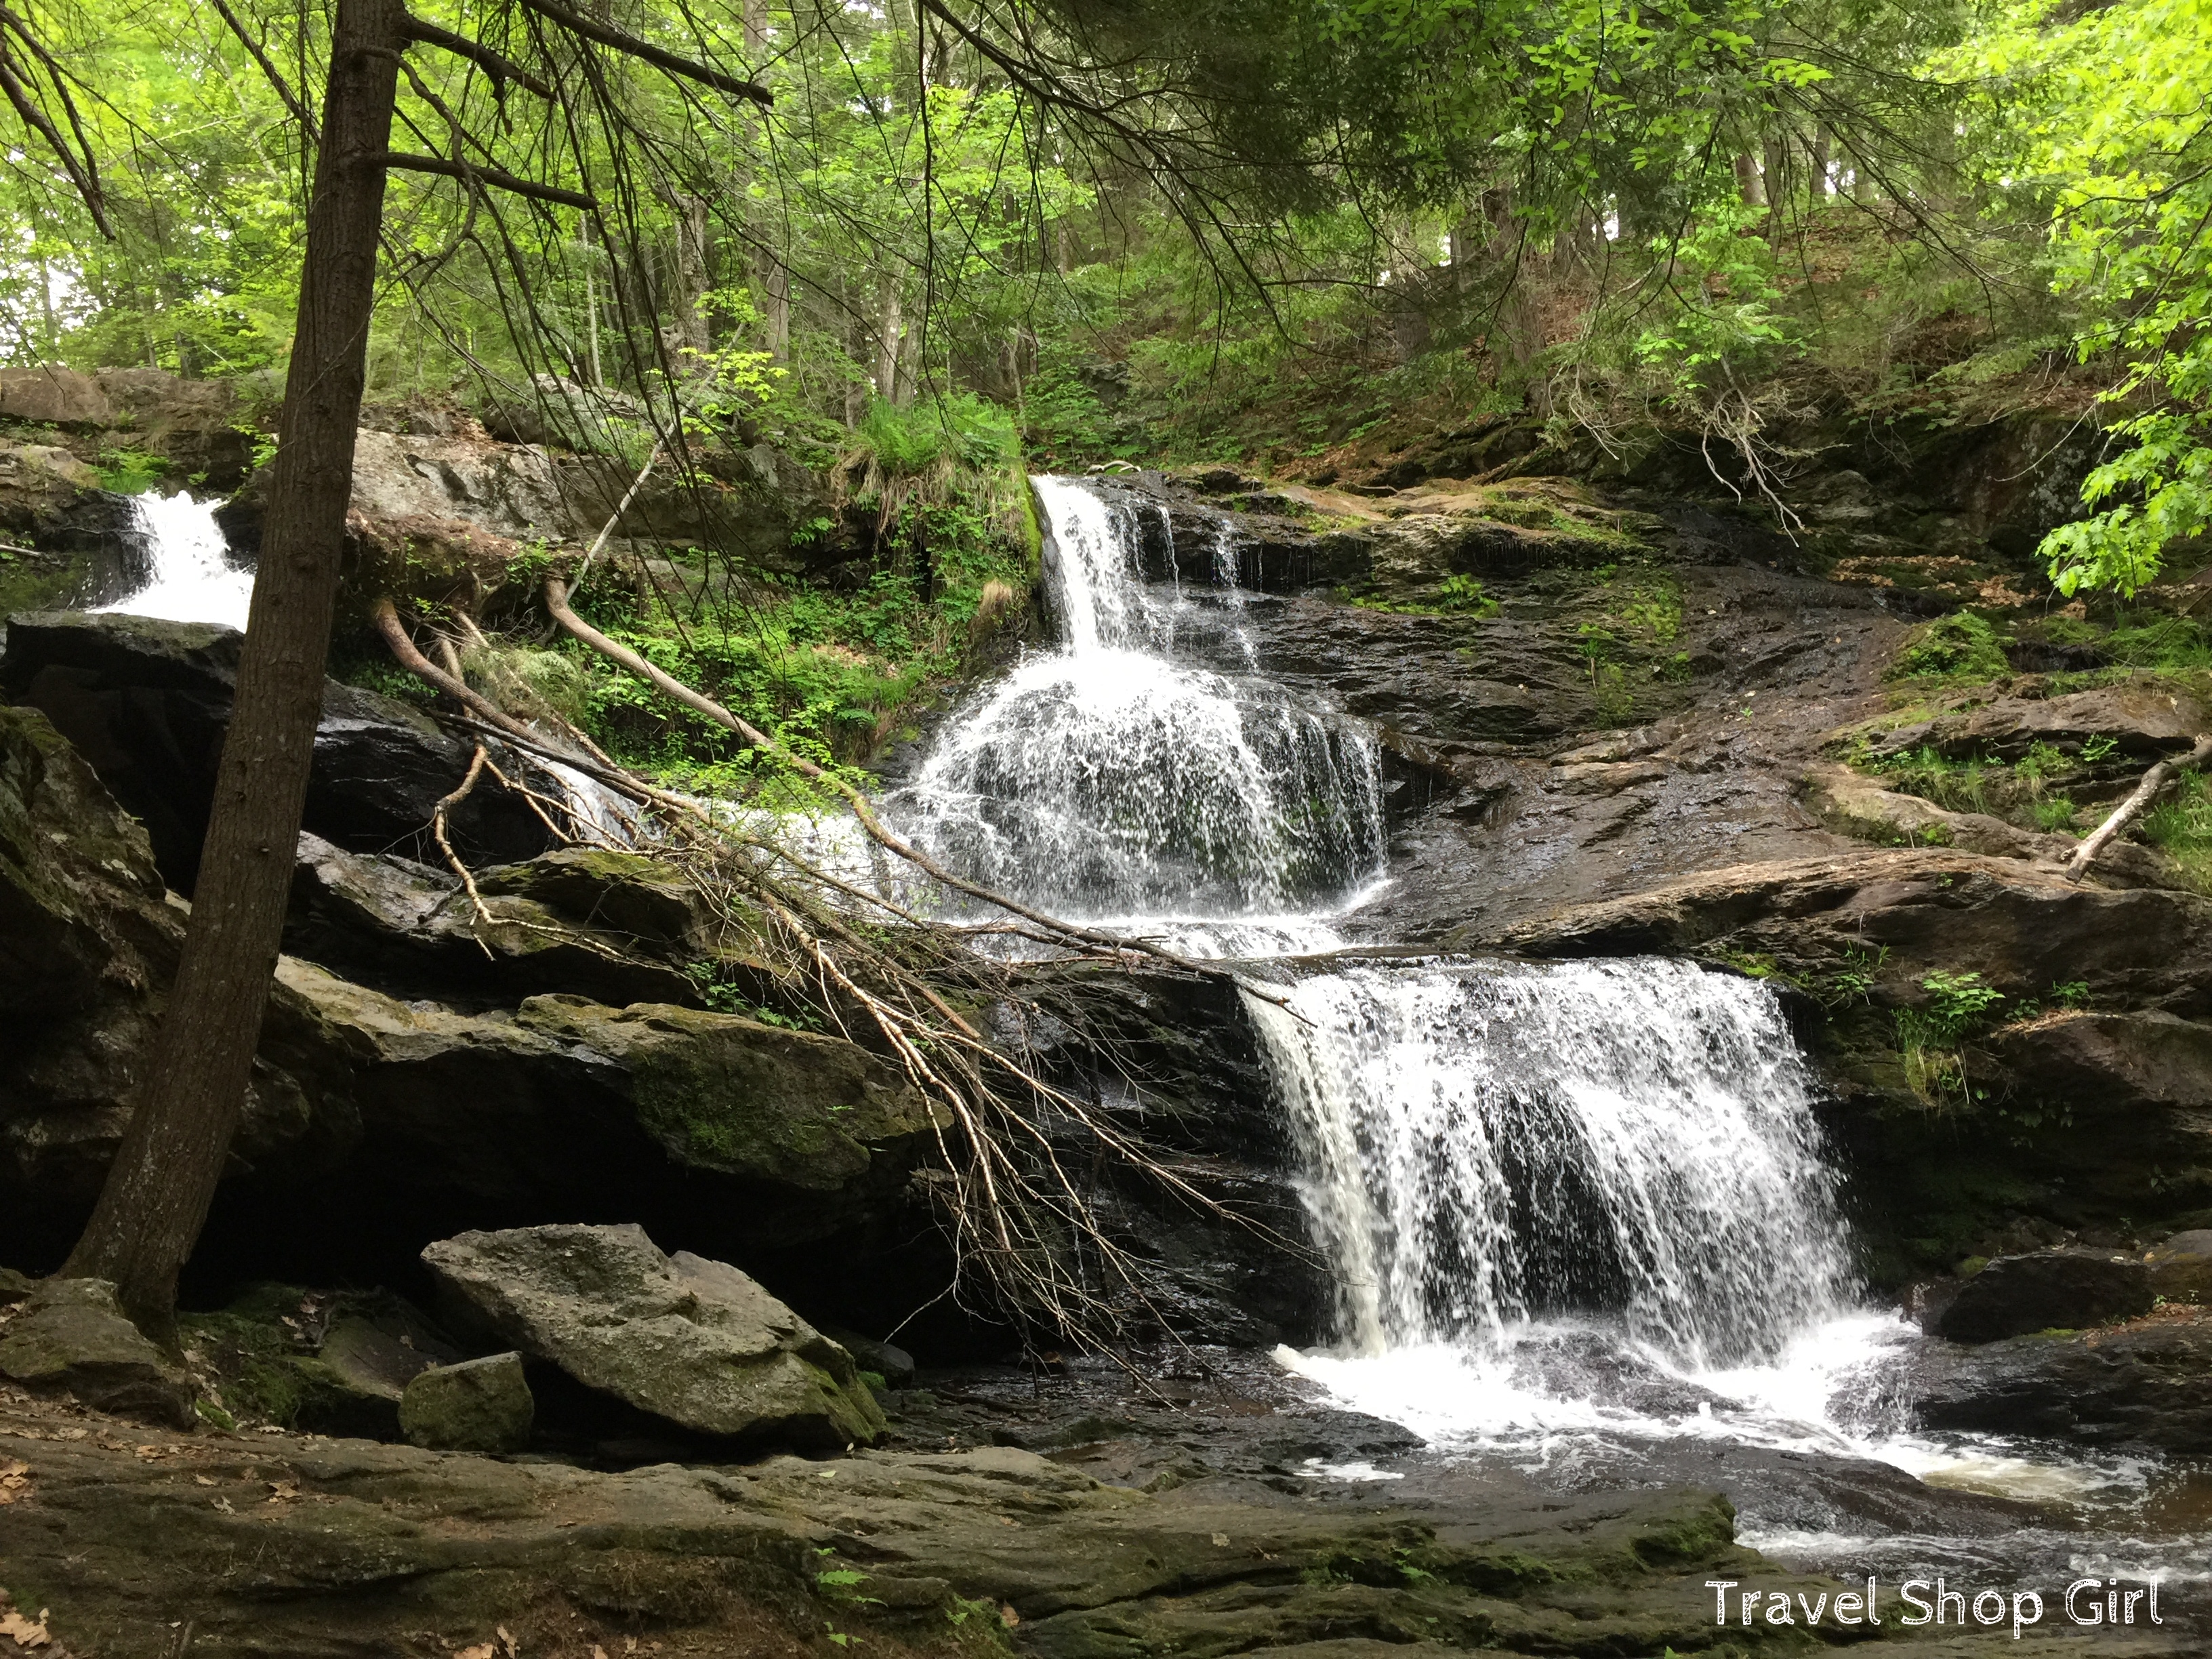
(190, 577)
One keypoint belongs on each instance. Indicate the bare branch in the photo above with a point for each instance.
(2152, 787)
(476, 175)
(501, 69)
(632, 46)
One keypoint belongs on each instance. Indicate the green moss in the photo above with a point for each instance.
(1960, 646)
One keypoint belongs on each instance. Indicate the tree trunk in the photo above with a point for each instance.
(887, 342)
(158, 1190)
(1749, 184)
(690, 331)
(1774, 157)
(1819, 152)
(778, 286)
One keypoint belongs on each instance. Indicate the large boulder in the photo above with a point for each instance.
(53, 397)
(694, 1342)
(70, 1337)
(795, 1110)
(2145, 1384)
(147, 701)
(62, 531)
(2068, 1289)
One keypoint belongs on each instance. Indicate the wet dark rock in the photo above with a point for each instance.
(64, 533)
(146, 702)
(692, 1341)
(389, 920)
(69, 1337)
(893, 1365)
(2109, 1062)
(2139, 722)
(2146, 1384)
(1170, 1059)
(2050, 1289)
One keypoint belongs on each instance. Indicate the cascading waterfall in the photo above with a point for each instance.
(189, 574)
(1112, 780)
(1492, 1144)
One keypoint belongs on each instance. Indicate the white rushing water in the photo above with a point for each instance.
(189, 575)
(1490, 1144)
(1116, 781)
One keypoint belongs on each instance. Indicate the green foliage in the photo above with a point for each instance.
(1464, 593)
(1929, 1037)
(130, 472)
(1960, 646)
(2094, 115)
(961, 429)
(1958, 1004)
(2180, 827)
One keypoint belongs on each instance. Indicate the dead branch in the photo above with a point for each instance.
(473, 176)
(614, 517)
(501, 69)
(557, 601)
(2154, 785)
(667, 62)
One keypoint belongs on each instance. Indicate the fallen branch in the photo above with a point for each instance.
(2154, 785)
(557, 601)
(614, 517)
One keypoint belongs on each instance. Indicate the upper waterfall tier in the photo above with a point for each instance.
(1110, 780)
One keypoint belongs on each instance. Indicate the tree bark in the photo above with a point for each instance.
(163, 1179)
(1748, 185)
(778, 313)
(691, 329)
(889, 330)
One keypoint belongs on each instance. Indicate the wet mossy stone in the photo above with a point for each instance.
(477, 1405)
(70, 1337)
(694, 1342)
(2068, 1289)
(721, 1092)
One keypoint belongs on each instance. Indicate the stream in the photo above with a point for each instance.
(1580, 1216)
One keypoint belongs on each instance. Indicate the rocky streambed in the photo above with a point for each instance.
(1610, 725)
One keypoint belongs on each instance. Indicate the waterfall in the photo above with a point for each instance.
(189, 574)
(1487, 1145)
(1115, 779)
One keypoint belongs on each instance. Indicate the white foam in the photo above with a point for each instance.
(191, 580)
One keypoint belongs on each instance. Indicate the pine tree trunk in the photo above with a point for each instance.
(155, 1200)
